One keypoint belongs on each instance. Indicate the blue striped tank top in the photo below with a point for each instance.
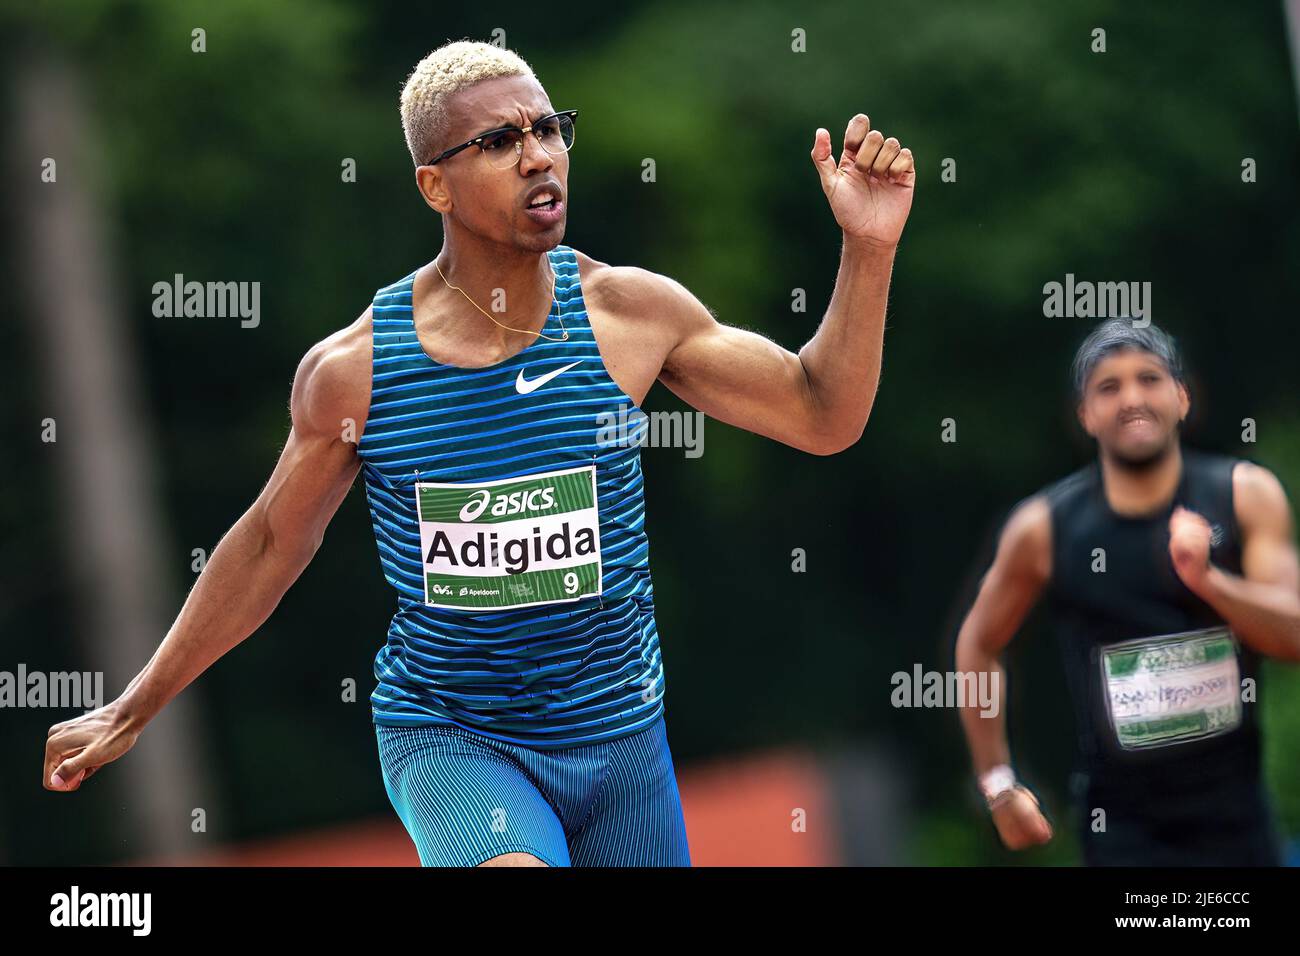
(509, 518)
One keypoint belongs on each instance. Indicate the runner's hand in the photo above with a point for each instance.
(1020, 822)
(1189, 546)
(870, 189)
(76, 748)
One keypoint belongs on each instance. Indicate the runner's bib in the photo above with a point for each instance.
(1173, 688)
(517, 542)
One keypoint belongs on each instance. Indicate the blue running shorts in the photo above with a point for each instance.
(466, 798)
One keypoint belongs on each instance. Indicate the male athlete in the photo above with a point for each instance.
(519, 707)
(1169, 574)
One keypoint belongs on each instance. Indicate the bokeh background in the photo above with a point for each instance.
(226, 166)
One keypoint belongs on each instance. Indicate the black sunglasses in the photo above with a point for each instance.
(554, 133)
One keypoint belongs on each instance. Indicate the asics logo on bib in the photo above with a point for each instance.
(514, 542)
(538, 499)
(523, 386)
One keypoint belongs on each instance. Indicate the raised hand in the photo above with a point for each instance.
(870, 189)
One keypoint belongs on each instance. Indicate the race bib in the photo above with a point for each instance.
(1172, 689)
(519, 542)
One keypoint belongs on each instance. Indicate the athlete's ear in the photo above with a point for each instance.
(428, 179)
(1081, 410)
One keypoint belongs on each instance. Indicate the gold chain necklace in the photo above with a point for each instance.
(539, 332)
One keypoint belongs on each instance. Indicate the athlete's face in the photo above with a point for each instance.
(1133, 406)
(489, 201)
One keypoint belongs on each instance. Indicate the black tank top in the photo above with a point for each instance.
(1211, 752)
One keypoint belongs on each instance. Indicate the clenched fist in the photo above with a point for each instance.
(76, 748)
(1189, 547)
(1019, 820)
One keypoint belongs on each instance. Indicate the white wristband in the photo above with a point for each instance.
(997, 781)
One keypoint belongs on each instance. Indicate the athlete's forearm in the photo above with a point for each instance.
(236, 592)
(842, 361)
(986, 733)
(1265, 616)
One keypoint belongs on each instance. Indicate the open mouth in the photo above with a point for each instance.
(545, 206)
(543, 196)
(1139, 424)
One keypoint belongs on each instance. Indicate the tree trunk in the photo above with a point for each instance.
(122, 577)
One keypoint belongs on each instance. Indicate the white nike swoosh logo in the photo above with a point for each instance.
(523, 386)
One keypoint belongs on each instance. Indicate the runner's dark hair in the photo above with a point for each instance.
(1115, 335)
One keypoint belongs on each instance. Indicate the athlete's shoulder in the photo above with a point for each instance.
(1259, 499)
(401, 286)
(1220, 480)
(1026, 539)
(332, 384)
(635, 292)
(1205, 462)
(1071, 489)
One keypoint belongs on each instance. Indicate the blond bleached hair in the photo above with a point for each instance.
(445, 71)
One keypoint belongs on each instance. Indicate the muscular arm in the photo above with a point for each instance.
(1262, 604)
(1012, 585)
(818, 400)
(255, 563)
